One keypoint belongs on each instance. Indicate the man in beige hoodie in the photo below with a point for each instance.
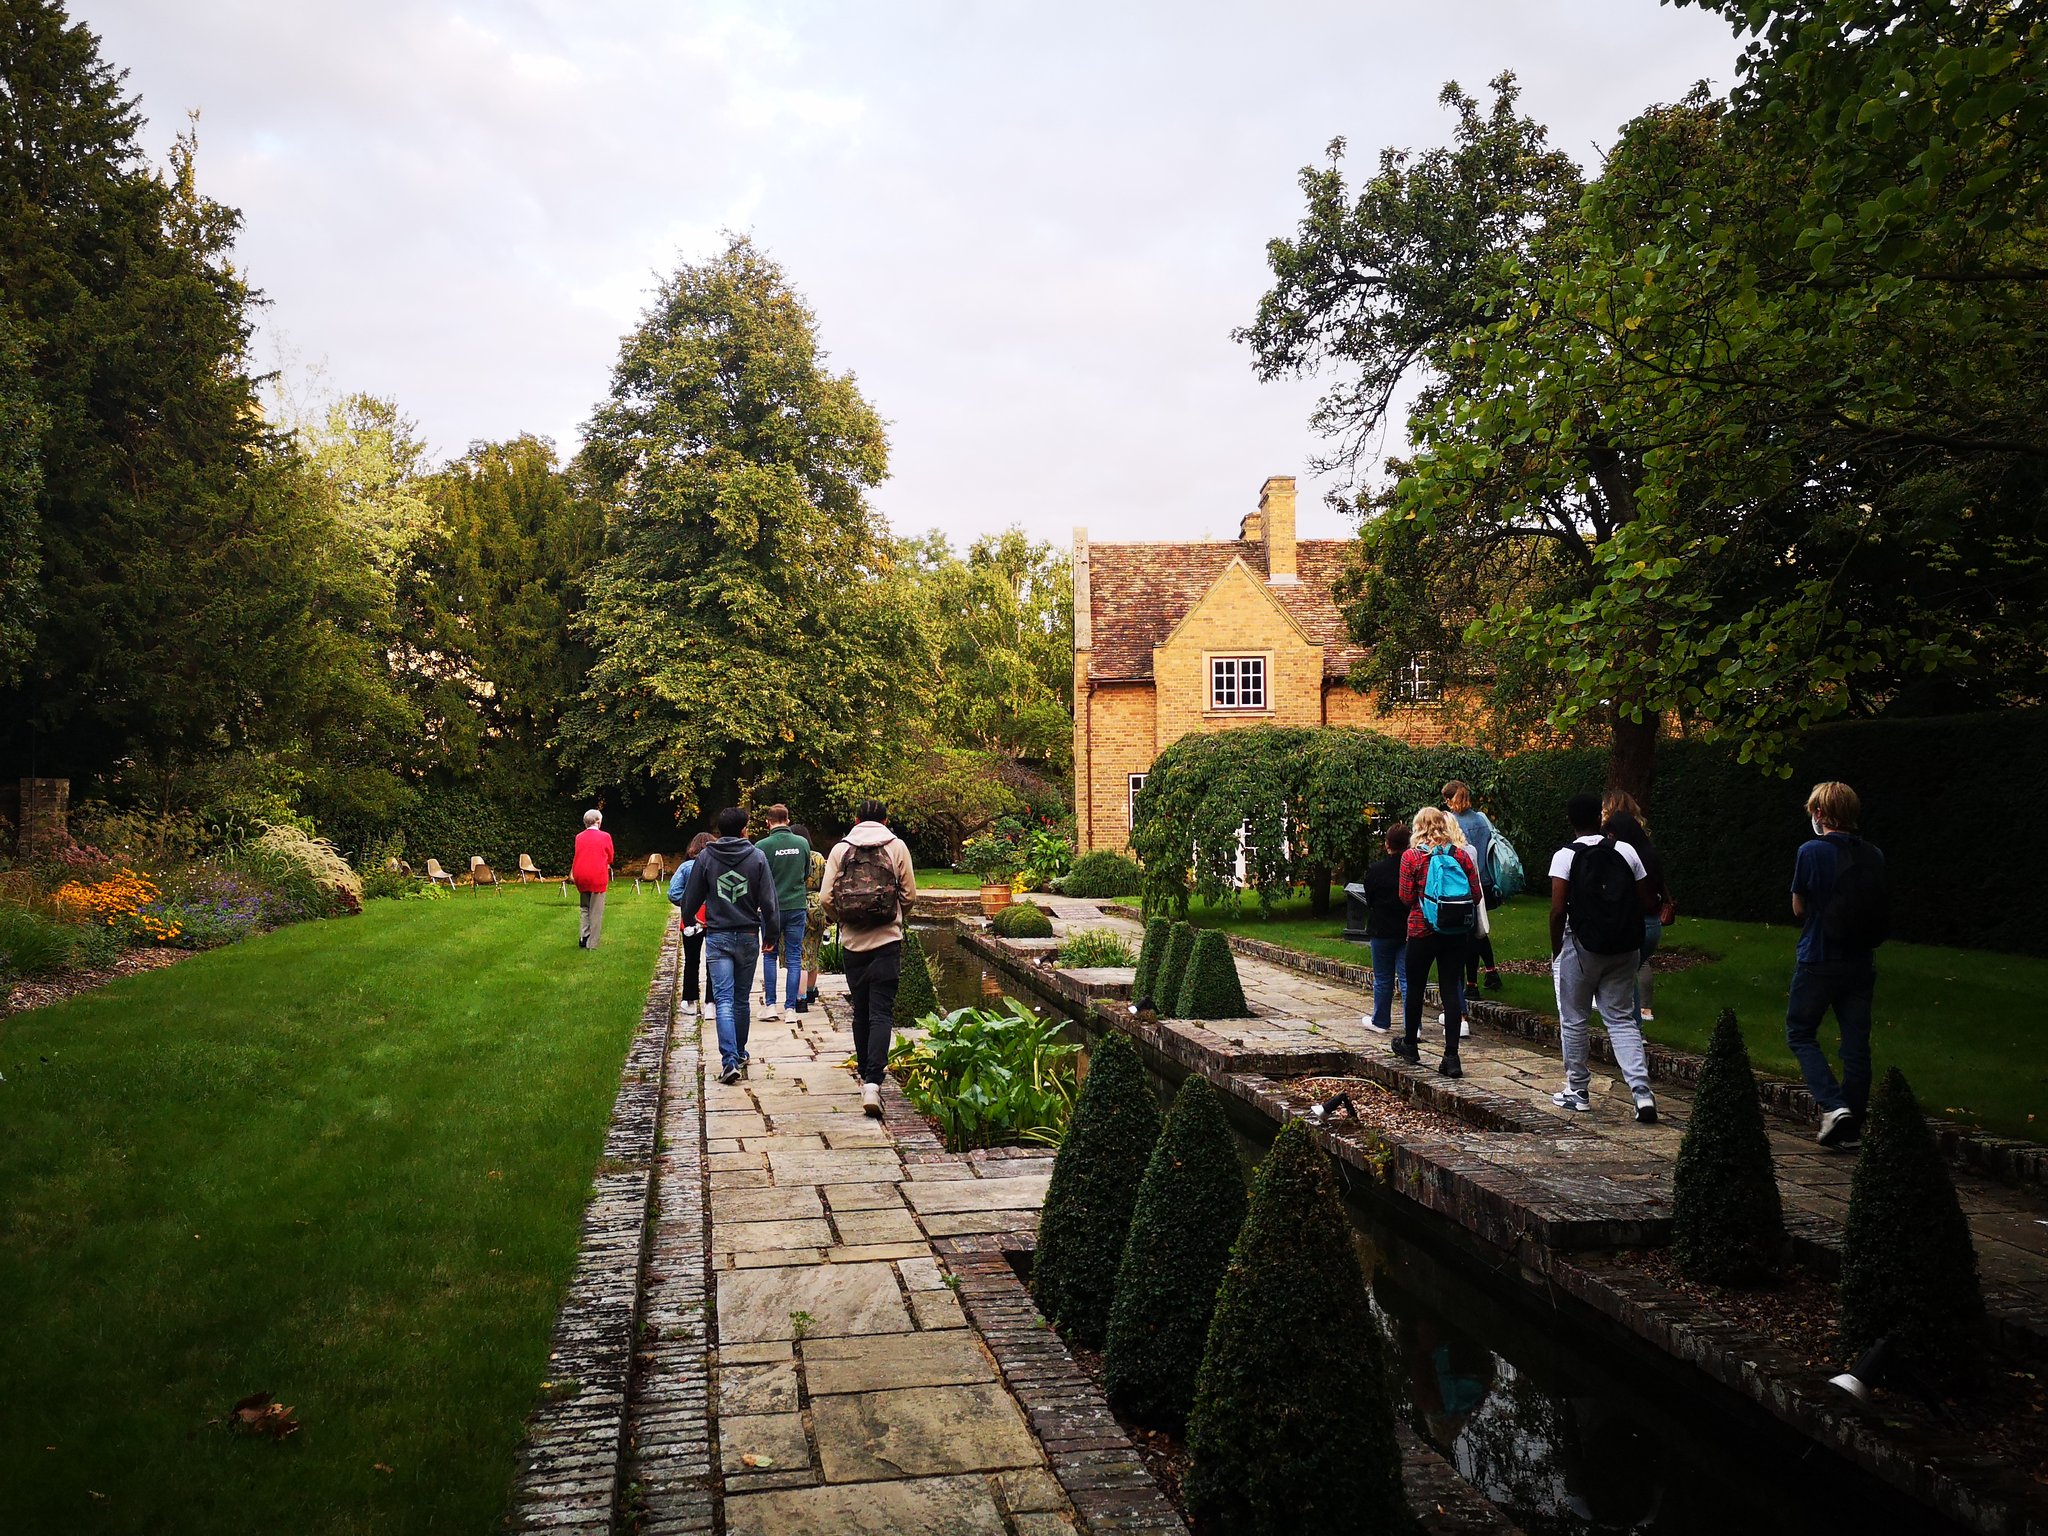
(868, 887)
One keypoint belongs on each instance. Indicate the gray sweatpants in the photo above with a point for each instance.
(592, 918)
(1582, 979)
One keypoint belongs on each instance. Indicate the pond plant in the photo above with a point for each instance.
(1727, 1222)
(990, 1078)
(1093, 948)
(1173, 966)
(1190, 1206)
(1210, 989)
(1293, 1427)
(1021, 920)
(1158, 932)
(916, 998)
(1094, 1187)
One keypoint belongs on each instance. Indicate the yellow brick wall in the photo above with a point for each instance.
(1118, 717)
(1419, 725)
(1236, 618)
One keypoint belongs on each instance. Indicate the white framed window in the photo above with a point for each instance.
(1419, 681)
(1136, 782)
(1237, 682)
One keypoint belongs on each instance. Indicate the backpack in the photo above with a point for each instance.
(1602, 903)
(1449, 904)
(1859, 908)
(1509, 879)
(867, 892)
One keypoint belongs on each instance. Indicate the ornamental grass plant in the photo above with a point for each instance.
(1173, 966)
(1087, 1214)
(1727, 1222)
(1158, 932)
(916, 998)
(1293, 1426)
(1093, 948)
(1210, 988)
(1189, 1208)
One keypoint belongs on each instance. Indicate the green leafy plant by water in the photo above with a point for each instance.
(1095, 947)
(990, 1078)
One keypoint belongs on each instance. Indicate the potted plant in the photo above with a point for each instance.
(995, 861)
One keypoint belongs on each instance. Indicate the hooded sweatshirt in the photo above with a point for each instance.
(731, 882)
(873, 834)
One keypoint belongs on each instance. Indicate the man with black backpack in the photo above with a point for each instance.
(1599, 892)
(868, 887)
(1840, 896)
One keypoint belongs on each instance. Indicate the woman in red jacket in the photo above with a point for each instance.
(1440, 924)
(591, 869)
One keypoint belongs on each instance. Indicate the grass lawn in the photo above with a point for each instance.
(343, 1163)
(1966, 1026)
(947, 880)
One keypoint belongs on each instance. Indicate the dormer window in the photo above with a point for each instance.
(1419, 681)
(1237, 682)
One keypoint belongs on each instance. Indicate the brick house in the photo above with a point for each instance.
(1210, 636)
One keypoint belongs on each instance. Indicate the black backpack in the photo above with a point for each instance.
(1858, 913)
(1602, 902)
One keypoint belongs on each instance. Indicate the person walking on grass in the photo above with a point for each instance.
(1440, 887)
(868, 887)
(591, 870)
(730, 881)
(1386, 927)
(1841, 899)
(789, 862)
(1622, 819)
(1479, 834)
(693, 926)
(1599, 894)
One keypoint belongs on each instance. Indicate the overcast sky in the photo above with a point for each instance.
(1027, 228)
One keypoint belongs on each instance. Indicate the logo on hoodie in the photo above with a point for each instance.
(732, 885)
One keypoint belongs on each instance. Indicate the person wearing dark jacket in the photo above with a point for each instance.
(1386, 928)
(1622, 819)
(730, 881)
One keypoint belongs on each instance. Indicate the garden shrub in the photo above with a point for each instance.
(990, 1078)
(94, 948)
(916, 997)
(1210, 989)
(1093, 947)
(1188, 1212)
(1173, 967)
(1293, 1424)
(1103, 874)
(1909, 1268)
(1727, 1223)
(1094, 1186)
(1158, 930)
(32, 944)
(1021, 920)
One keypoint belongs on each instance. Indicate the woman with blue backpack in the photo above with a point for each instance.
(1441, 889)
(1479, 836)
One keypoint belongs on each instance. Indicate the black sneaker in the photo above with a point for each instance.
(802, 1005)
(1449, 1067)
(729, 1076)
(1408, 1053)
(1646, 1108)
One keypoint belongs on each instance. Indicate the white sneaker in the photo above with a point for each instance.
(1649, 1017)
(769, 1013)
(1646, 1108)
(1573, 1100)
(1834, 1125)
(1378, 1029)
(871, 1100)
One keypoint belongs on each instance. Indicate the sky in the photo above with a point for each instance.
(1028, 229)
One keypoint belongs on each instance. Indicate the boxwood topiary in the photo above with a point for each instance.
(1102, 874)
(1173, 967)
(1727, 1223)
(916, 998)
(1150, 953)
(1293, 1425)
(1022, 920)
(1189, 1209)
(1210, 988)
(1909, 1268)
(1094, 1185)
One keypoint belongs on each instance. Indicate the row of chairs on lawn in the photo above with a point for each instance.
(655, 871)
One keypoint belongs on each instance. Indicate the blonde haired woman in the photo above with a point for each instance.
(1440, 887)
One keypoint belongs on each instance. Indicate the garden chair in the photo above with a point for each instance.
(650, 873)
(528, 870)
(436, 875)
(481, 874)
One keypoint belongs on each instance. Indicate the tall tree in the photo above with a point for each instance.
(21, 431)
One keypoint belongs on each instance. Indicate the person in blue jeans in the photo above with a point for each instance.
(730, 881)
(789, 864)
(1386, 928)
(1838, 883)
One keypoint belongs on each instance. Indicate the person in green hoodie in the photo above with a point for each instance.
(789, 864)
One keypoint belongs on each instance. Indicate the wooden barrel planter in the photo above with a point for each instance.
(994, 897)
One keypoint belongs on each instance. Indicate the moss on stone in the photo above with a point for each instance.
(1727, 1223)
(1210, 989)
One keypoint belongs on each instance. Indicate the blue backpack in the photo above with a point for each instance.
(1449, 904)
(1509, 878)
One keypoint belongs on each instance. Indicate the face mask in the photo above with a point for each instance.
(1818, 829)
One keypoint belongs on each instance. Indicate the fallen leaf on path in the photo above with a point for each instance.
(757, 1461)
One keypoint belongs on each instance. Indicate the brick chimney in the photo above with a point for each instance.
(1276, 519)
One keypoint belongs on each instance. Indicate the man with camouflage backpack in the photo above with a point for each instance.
(868, 887)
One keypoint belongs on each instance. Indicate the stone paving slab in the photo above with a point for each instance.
(839, 1298)
(938, 1506)
(1013, 1194)
(873, 1435)
(876, 1364)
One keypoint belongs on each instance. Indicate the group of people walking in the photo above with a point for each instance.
(1427, 907)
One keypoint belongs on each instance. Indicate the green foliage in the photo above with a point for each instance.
(1210, 988)
(1103, 873)
(1173, 966)
(1293, 1424)
(1048, 854)
(916, 998)
(21, 481)
(1158, 935)
(1021, 920)
(1190, 1206)
(990, 1079)
(1095, 1179)
(1727, 1224)
(1909, 1268)
(993, 856)
(31, 944)
(832, 959)
(948, 793)
(1093, 947)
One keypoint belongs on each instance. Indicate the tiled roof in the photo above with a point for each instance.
(1138, 592)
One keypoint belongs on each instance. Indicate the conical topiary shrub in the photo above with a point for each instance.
(915, 996)
(1095, 1181)
(1022, 920)
(1173, 967)
(1293, 1427)
(1909, 1268)
(1727, 1224)
(1157, 931)
(1189, 1209)
(1210, 989)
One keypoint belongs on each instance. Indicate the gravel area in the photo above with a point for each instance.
(1377, 1105)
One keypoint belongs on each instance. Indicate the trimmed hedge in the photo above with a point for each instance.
(1909, 1267)
(1102, 873)
(1021, 920)
(1210, 989)
(452, 824)
(1727, 1221)
(915, 995)
(1094, 1187)
(1189, 1209)
(1293, 1423)
(1173, 967)
(1158, 931)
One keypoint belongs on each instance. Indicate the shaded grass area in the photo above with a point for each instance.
(344, 1163)
(1966, 1026)
(947, 880)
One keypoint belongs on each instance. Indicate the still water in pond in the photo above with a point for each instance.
(1563, 1431)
